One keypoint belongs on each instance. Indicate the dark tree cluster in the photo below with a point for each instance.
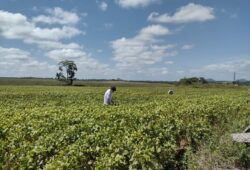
(193, 80)
(68, 67)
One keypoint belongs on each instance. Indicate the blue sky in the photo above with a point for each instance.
(128, 39)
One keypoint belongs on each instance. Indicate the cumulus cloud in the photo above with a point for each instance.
(86, 63)
(34, 8)
(103, 6)
(48, 39)
(169, 62)
(108, 26)
(57, 16)
(17, 62)
(225, 70)
(148, 33)
(135, 3)
(143, 50)
(187, 47)
(189, 13)
(233, 16)
(162, 70)
(13, 54)
(66, 54)
(228, 67)
(49, 45)
(17, 26)
(99, 50)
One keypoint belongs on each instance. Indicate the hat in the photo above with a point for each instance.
(113, 88)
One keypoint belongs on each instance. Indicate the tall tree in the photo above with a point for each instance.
(70, 68)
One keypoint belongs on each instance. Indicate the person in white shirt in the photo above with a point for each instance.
(170, 92)
(108, 95)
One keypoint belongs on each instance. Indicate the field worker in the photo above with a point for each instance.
(108, 95)
(170, 92)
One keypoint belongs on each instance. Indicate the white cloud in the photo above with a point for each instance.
(154, 71)
(162, 70)
(54, 33)
(34, 8)
(228, 67)
(233, 16)
(66, 54)
(17, 62)
(224, 70)
(86, 63)
(103, 6)
(169, 62)
(17, 26)
(49, 45)
(135, 3)
(13, 54)
(187, 47)
(189, 13)
(57, 16)
(84, 14)
(99, 50)
(108, 26)
(181, 72)
(148, 33)
(141, 51)
(171, 53)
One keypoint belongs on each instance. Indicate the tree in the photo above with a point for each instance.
(193, 80)
(202, 80)
(185, 81)
(70, 68)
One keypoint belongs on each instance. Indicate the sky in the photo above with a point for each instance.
(162, 40)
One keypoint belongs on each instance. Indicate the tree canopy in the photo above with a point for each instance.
(70, 68)
(193, 80)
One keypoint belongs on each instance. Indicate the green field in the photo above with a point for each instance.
(63, 127)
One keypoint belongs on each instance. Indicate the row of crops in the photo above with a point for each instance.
(70, 128)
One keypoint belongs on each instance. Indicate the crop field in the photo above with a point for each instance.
(63, 127)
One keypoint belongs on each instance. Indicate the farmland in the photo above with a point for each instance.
(64, 127)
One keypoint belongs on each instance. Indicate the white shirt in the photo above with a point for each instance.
(108, 97)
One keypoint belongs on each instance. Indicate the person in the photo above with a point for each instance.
(108, 95)
(170, 92)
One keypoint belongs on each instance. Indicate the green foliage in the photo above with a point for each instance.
(193, 80)
(69, 128)
(70, 68)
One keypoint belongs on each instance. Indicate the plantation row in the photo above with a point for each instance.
(68, 127)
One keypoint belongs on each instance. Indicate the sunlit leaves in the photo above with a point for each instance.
(69, 128)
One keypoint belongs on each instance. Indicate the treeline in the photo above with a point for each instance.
(192, 80)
